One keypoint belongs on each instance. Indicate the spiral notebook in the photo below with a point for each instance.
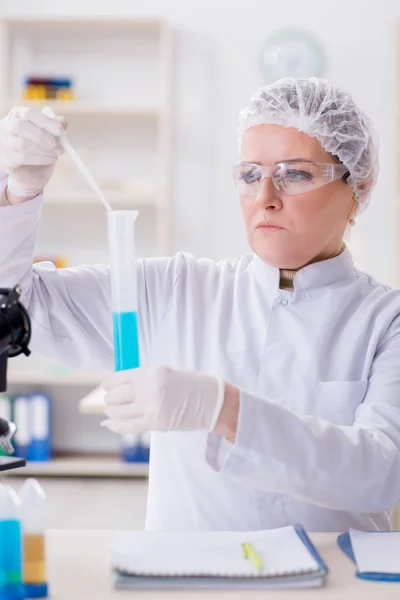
(283, 557)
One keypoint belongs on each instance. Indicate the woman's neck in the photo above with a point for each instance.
(286, 280)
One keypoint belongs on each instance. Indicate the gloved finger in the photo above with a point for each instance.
(54, 125)
(122, 377)
(123, 426)
(18, 159)
(15, 142)
(122, 394)
(124, 411)
(25, 130)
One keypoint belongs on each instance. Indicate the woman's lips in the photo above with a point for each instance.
(269, 227)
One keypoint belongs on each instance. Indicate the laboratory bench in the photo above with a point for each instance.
(78, 566)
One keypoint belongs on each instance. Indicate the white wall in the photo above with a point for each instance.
(217, 49)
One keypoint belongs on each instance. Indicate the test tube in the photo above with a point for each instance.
(121, 235)
(22, 439)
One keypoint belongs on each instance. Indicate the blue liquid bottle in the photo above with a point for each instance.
(11, 585)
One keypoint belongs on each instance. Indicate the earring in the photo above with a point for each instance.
(352, 222)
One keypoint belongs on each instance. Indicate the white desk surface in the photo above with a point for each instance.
(78, 568)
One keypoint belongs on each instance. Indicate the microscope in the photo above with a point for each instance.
(15, 335)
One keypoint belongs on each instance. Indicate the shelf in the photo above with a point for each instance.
(88, 108)
(87, 378)
(146, 196)
(95, 20)
(93, 403)
(83, 467)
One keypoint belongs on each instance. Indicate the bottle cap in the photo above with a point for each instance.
(10, 504)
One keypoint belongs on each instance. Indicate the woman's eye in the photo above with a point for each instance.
(250, 176)
(295, 175)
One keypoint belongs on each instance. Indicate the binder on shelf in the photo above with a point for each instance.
(32, 416)
(135, 448)
(40, 446)
(145, 446)
(22, 438)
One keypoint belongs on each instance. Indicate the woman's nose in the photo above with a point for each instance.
(268, 195)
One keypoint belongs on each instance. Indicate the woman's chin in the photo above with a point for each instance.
(281, 257)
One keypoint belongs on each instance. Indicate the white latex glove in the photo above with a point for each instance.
(162, 399)
(29, 148)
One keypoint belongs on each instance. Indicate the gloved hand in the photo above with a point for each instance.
(29, 148)
(162, 399)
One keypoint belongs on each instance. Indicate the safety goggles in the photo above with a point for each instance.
(291, 178)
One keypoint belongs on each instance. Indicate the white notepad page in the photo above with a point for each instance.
(211, 553)
(376, 552)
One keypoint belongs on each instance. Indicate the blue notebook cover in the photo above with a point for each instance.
(301, 532)
(344, 543)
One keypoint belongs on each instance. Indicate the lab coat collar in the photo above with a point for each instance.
(314, 276)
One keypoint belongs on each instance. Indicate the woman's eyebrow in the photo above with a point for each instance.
(291, 160)
(294, 160)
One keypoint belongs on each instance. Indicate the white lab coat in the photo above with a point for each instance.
(318, 438)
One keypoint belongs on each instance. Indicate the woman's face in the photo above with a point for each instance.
(310, 226)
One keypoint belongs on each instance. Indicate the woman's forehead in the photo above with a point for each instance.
(270, 144)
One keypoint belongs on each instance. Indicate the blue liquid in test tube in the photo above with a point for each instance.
(121, 233)
(126, 340)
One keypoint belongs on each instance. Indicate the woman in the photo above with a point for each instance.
(277, 399)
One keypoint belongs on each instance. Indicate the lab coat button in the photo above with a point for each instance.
(284, 302)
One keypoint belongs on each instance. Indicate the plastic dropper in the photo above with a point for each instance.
(76, 159)
(123, 285)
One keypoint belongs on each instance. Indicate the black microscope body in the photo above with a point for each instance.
(15, 334)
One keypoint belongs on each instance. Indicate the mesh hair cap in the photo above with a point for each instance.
(327, 113)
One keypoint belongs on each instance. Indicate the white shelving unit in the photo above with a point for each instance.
(124, 198)
(101, 467)
(120, 124)
(122, 71)
(38, 378)
(89, 108)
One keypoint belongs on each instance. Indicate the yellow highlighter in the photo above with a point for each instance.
(252, 555)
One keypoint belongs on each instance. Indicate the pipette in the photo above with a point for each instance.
(121, 238)
(76, 159)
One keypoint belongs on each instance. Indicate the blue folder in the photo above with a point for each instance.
(344, 543)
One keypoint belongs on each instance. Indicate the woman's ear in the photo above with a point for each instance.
(353, 211)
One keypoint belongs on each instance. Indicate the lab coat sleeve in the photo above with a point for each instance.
(353, 467)
(70, 309)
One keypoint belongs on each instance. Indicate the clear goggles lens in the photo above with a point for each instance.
(291, 178)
